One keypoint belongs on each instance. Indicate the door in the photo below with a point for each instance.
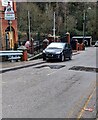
(9, 35)
(66, 51)
(11, 40)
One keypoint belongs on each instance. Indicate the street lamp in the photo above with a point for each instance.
(54, 27)
(84, 24)
(29, 26)
(32, 47)
(1, 32)
(66, 20)
(84, 21)
(1, 27)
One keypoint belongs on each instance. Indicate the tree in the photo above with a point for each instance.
(69, 17)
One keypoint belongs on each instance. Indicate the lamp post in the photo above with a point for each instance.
(32, 47)
(84, 21)
(54, 27)
(1, 32)
(29, 25)
(84, 16)
(1, 27)
(66, 20)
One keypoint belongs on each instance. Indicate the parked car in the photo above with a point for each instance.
(57, 50)
(96, 44)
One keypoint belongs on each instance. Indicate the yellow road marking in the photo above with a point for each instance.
(79, 101)
(77, 104)
(85, 105)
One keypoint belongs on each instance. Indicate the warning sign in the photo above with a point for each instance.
(9, 13)
(5, 2)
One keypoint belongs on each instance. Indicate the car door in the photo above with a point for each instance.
(69, 50)
(66, 50)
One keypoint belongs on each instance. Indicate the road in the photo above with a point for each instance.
(43, 91)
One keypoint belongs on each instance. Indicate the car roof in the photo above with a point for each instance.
(56, 44)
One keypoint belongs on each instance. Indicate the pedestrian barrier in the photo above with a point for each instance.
(12, 55)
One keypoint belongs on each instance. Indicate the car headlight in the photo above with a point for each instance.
(43, 51)
(58, 52)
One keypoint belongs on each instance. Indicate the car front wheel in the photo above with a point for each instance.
(62, 57)
(70, 57)
(44, 57)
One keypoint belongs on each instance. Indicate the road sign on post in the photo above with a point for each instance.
(9, 13)
(5, 3)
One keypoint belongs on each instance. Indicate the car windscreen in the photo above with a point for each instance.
(53, 48)
(56, 46)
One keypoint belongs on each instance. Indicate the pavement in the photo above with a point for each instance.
(9, 66)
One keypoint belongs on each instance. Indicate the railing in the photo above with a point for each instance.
(11, 55)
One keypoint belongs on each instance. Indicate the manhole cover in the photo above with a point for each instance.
(82, 68)
(51, 66)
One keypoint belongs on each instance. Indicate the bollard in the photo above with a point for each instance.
(83, 46)
(77, 46)
(80, 46)
(68, 37)
(25, 54)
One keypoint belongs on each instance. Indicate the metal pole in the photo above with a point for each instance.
(11, 36)
(57, 7)
(66, 21)
(29, 23)
(1, 31)
(83, 25)
(1, 27)
(54, 28)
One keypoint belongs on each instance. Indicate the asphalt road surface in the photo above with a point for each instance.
(48, 91)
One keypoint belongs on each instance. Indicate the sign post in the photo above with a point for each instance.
(5, 2)
(9, 15)
(54, 27)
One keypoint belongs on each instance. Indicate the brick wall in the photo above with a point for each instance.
(4, 25)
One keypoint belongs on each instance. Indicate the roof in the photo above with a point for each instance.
(82, 37)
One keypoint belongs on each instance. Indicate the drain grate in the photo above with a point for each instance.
(51, 66)
(82, 68)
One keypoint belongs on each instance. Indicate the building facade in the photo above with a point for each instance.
(8, 28)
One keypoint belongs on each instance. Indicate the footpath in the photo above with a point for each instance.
(9, 66)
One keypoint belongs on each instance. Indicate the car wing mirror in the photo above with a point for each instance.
(66, 48)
